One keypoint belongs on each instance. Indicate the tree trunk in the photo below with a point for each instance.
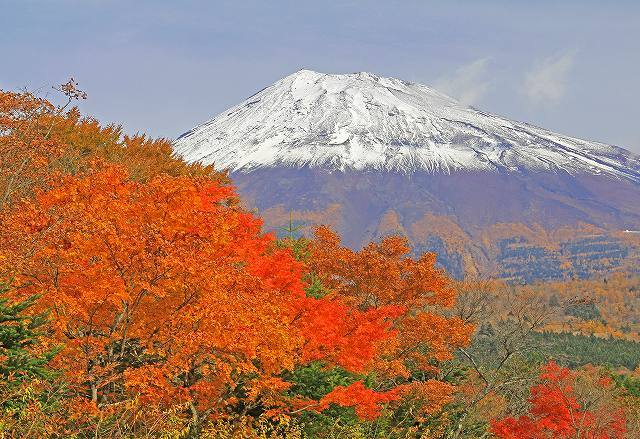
(195, 426)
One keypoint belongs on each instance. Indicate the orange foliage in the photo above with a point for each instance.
(169, 291)
(382, 278)
(39, 141)
(26, 146)
(367, 403)
(559, 411)
(615, 297)
(347, 337)
(161, 287)
(158, 288)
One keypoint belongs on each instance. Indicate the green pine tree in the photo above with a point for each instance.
(20, 334)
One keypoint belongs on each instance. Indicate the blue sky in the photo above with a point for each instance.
(162, 67)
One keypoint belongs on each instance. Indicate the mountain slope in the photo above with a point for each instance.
(372, 156)
(365, 122)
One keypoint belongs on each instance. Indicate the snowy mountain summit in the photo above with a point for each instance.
(364, 122)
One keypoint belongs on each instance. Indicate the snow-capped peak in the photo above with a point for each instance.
(361, 121)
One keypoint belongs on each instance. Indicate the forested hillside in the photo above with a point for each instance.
(140, 299)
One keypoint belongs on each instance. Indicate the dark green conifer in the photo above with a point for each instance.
(20, 333)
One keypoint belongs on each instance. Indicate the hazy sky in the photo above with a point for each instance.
(162, 67)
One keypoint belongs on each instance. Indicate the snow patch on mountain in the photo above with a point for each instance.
(361, 121)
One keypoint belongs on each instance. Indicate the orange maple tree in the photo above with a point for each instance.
(413, 294)
(26, 146)
(162, 288)
(559, 410)
(168, 290)
(39, 141)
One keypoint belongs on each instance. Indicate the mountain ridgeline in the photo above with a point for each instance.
(373, 156)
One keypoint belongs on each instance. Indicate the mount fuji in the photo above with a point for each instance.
(371, 156)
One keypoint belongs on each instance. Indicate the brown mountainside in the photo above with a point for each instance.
(521, 227)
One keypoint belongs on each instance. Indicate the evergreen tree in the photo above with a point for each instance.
(20, 331)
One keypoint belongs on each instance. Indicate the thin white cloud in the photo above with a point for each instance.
(547, 82)
(469, 83)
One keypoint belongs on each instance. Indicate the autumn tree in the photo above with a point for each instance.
(159, 286)
(26, 146)
(383, 279)
(167, 290)
(567, 404)
(40, 140)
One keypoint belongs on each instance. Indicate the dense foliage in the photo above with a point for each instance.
(566, 405)
(579, 350)
(139, 299)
